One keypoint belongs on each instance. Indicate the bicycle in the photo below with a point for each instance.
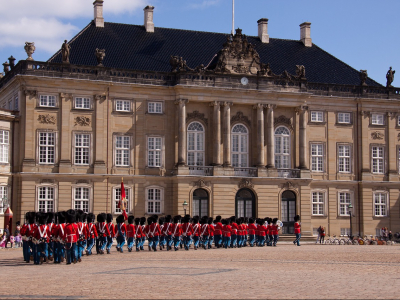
(332, 240)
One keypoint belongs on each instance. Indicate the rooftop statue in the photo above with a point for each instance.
(100, 54)
(65, 50)
(363, 77)
(29, 49)
(390, 77)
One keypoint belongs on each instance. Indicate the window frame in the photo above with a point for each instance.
(116, 149)
(386, 204)
(316, 113)
(89, 148)
(4, 192)
(5, 147)
(155, 112)
(374, 119)
(89, 200)
(123, 102)
(147, 200)
(55, 146)
(161, 151)
(46, 105)
(282, 154)
(55, 196)
(196, 152)
(128, 194)
(317, 157)
(339, 122)
(319, 203)
(338, 157)
(351, 195)
(83, 104)
(239, 152)
(382, 159)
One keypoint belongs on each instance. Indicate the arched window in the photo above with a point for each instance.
(200, 203)
(282, 148)
(245, 203)
(239, 146)
(195, 147)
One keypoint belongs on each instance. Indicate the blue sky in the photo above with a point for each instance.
(363, 34)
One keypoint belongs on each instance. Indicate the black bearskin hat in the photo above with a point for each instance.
(296, 218)
(137, 221)
(142, 220)
(275, 220)
(90, 217)
(71, 216)
(120, 219)
(50, 217)
(168, 218)
(233, 219)
(150, 220)
(101, 218)
(209, 221)
(130, 219)
(32, 217)
(42, 218)
(18, 223)
(161, 221)
(61, 217)
(218, 218)
(155, 218)
(251, 221)
(84, 217)
(109, 218)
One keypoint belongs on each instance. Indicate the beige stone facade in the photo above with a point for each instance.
(370, 182)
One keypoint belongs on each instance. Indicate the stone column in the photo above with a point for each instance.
(181, 103)
(217, 133)
(303, 138)
(65, 136)
(227, 133)
(100, 134)
(270, 137)
(260, 134)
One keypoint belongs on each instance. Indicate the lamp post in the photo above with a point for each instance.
(350, 207)
(185, 204)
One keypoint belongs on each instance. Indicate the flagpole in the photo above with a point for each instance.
(233, 16)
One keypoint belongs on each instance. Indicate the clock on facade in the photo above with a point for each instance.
(244, 81)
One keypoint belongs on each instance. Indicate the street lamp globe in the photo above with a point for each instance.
(184, 204)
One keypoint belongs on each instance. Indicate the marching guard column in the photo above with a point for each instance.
(260, 134)
(303, 138)
(270, 137)
(181, 131)
(217, 132)
(227, 133)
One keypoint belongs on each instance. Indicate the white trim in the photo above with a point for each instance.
(380, 167)
(351, 193)
(240, 154)
(344, 115)
(129, 197)
(90, 196)
(123, 105)
(385, 205)
(324, 200)
(82, 105)
(123, 150)
(156, 105)
(196, 151)
(317, 116)
(89, 148)
(161, 152)
(46, 131)
(377, 119)
(4, 192)
(282, 154)
(147, 201)
(46, 99)
(318, 169)
(55, 196)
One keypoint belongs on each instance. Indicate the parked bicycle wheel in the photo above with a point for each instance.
(361, 242)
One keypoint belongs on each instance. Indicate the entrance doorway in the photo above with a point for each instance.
(288, 206)
(245, 203)
(200, 203)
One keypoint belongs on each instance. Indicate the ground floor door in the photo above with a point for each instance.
(245, 203)
(200, 203)
(288, 206)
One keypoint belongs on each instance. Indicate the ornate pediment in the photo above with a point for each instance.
(239, 117)
(376, 135)
(47, 119)
(245, 183)
(196, 115)
(201, 183)
(82, 121)
(289, 185)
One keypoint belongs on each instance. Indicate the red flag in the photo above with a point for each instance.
(122, 201)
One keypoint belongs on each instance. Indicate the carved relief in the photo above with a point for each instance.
(47, 119)
(380, 188)
(47, 181)
(283, 120)
(239, 117)
(398, 137)
(245, 183)
(258, 106)
(301, 109)
(365, 113)
(82, 121)
(289, 185)
(215, 103)
(65, 96)
(99, 97)
(30, 93)
(181, 101)
(196, 115)
(82, 181)
(376, 135)
(201, 183)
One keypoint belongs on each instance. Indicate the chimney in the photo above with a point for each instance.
(98, 13)
(148, 18)
(263, 30)
(305, 34)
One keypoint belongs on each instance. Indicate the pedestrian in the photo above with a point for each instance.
(297, 230)
(319, 235)
(17, 235)
(322, 234)
(7, 235)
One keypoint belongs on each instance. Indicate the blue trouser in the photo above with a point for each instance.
(41, 250)
(170, 241)
(205, 241)
(55, 252)
(120, 242)
(196, 241)
(163, 240)
(210, 241)
(102, 243)
(261, 239)
(142, 240)
(138, 242)
(218, 240)
(71, 252)
(130, 242)
(297, 240)
(80, 246)
(150, 242)
(36, 256)
(252, 240)
(51, 249)
(60, 252)
(109, 242)
(186, 241)
(244, 243)
(25, 251)
(271, 239)
(276, 238)
(239, 240)
(156, 240)
(233, 240)
(90, 244)
(227, 241)
(177, 241)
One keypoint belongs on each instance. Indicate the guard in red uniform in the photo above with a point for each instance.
(71, 237)
(163, 237)
(25, 241)
(211, 230)
(41, 238)
(154, 233)
(103, 233)
(111, 229)
(234, 235)
(226, 232)
(297, 230)
(60, 246)
(261, 233)
(176, 232)
(275, 231)
(50, 228)
(218, 232)
(187, 231)
(130, 233)
(121, 230)
(143, 239)
(167, 232)
(252, 232)
(139, 234)
(82, 233)
(204, 232)
(91, 233)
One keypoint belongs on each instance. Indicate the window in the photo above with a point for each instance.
(377, 119)
(154, 145)
(3, 194)
(317, 157)
(317, 116)
(82, 146)
(47, 147)
(239, 146)
(344, 158)
(377, 160)
(46, 199)
(344, 118)
(282, 148)
(380, 204)
(195, 155)
(344, 231)
(344, 201)
(154, 107)
(10, 104)
(81, 198)
(47, 101)
(82, 103)
(154, 200)
(4, 146)
(16, 103)
(318, 203)
(122, 149)
(123, 105)
(117, 198)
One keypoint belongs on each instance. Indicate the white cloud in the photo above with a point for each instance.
(204, 4)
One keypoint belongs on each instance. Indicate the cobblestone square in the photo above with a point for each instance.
(283, 272)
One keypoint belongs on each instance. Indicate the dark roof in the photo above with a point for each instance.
(131, 47)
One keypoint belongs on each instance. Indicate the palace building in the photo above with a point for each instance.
(227, 124)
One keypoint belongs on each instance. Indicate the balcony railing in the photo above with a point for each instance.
(289, 173)
(200, 170)
(246, 172)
